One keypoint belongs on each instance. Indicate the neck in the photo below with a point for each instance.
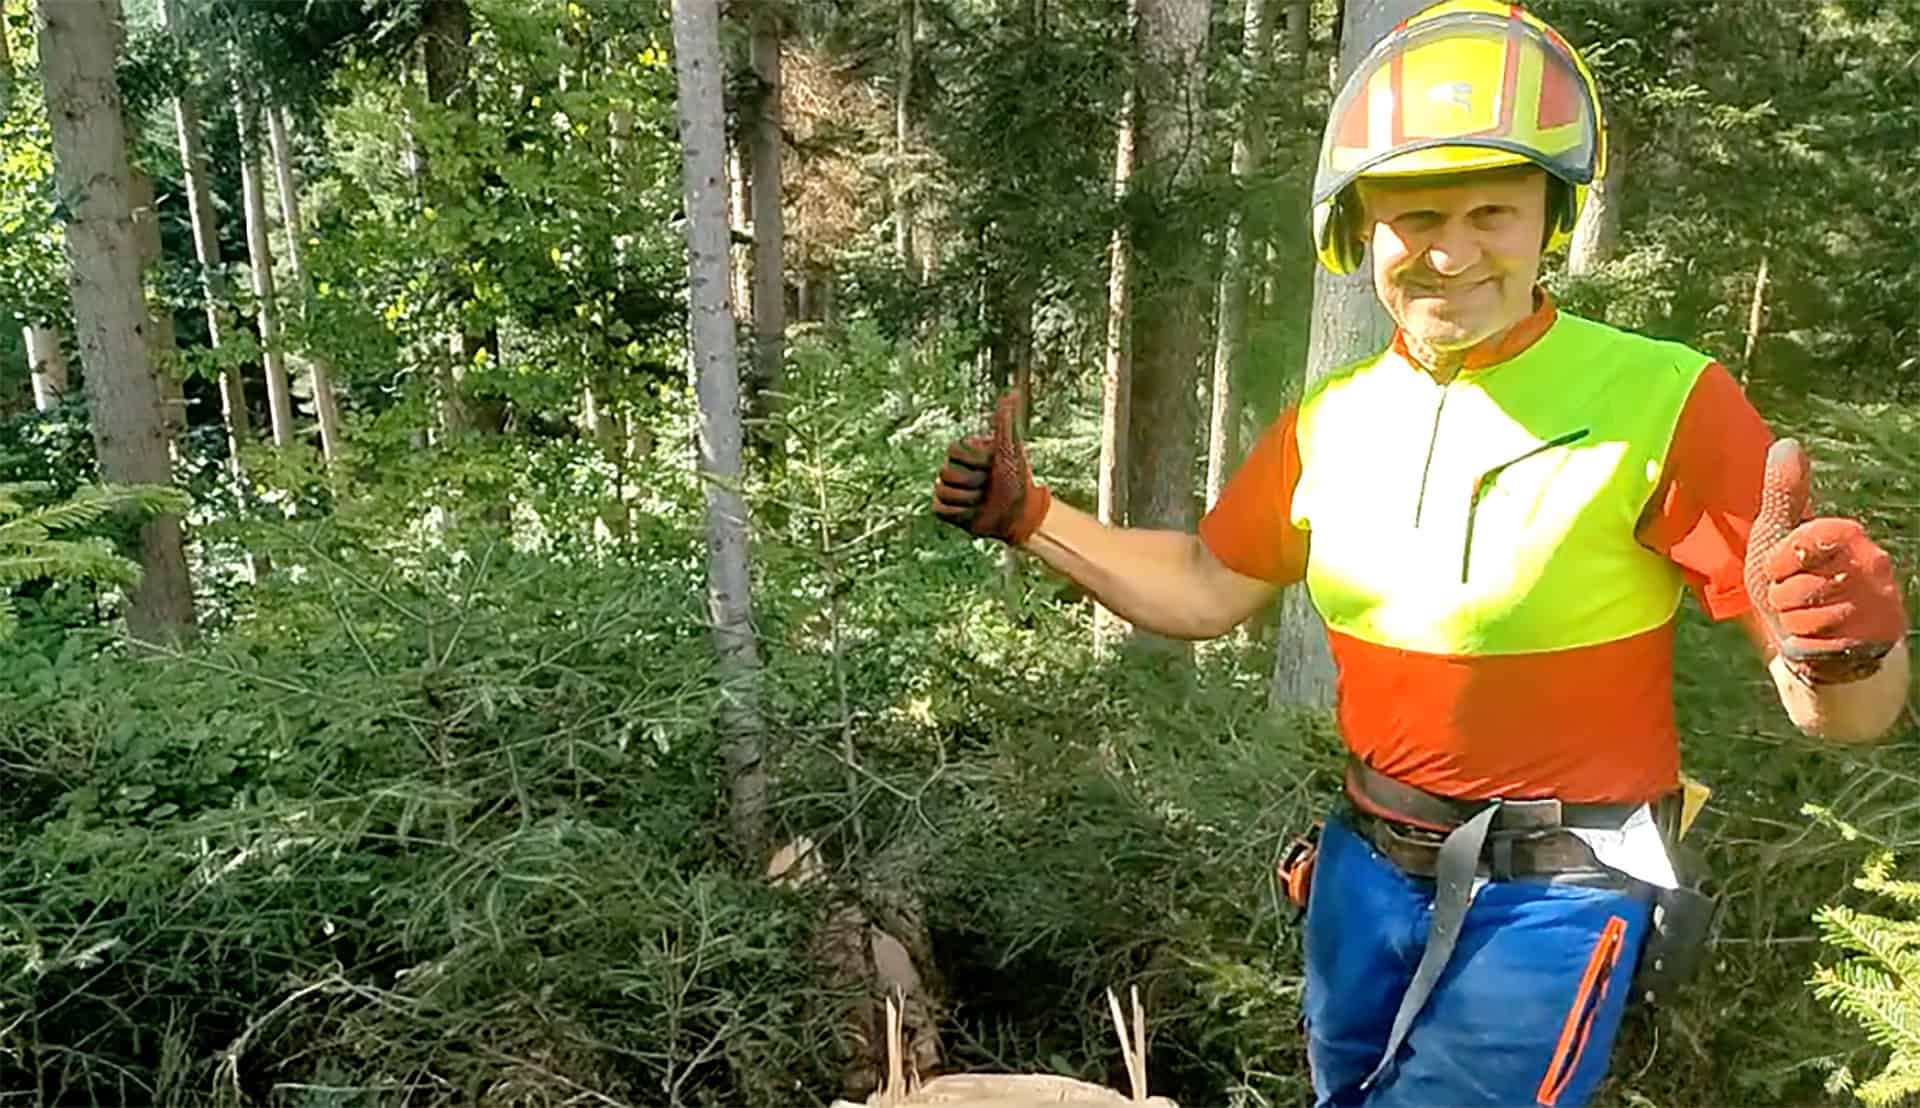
(1442, 365)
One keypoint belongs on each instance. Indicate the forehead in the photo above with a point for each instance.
(1517, 186)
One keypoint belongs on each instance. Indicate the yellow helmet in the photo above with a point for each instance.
(1464, 85)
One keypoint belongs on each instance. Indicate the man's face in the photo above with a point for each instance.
(1455, 258)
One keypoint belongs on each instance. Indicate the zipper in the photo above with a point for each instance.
(1485, 480)
(1426, 467)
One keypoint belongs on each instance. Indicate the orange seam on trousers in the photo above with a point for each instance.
(1567, 1052)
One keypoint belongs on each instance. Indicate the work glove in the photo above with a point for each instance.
(986, 487)
(1824, 590)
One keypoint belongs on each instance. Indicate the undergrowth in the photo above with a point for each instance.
(436, 816)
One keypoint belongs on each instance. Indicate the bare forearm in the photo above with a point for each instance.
(1854, 712)
(1162, 581)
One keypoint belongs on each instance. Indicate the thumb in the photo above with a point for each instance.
(1006, 421)
(1784, 494)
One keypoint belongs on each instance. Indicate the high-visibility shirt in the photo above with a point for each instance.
(1499, 559)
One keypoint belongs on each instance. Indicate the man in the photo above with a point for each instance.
(1496, 517)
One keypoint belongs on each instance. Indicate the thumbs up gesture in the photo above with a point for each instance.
(1825, 591)
(987, 487)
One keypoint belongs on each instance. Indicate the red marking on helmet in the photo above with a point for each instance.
(1560, 97)
(1395, 71)
(1352, 133)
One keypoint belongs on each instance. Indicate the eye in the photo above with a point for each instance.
(1494, 215)
(1417, 221)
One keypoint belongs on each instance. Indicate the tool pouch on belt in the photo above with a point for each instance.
(1295, 869)
(1676, 942)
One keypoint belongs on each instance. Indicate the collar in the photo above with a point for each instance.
(1504, 346)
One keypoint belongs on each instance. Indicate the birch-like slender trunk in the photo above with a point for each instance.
(1230, 333)
(715, 366)
(47, 363)
(326, 409)
(260, 266)
(77, 48)
(206, 248)
(1348, 323)
(1116, 392)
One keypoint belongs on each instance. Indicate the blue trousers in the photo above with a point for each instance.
(1525, 1012)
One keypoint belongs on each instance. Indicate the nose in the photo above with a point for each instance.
(1454, 250)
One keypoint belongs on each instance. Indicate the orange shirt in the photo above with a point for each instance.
(1588, 724)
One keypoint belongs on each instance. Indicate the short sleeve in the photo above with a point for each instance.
(1250, 529)
(1709, 490)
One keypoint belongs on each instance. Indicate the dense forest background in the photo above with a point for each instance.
(507, 615)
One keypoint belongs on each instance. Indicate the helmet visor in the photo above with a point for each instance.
(1464, 80)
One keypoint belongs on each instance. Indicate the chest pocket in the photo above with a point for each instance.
(1513, 494)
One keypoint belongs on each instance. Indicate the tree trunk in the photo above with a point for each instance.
(903, 215)
(446, 34)
(1170, 309)
(1116, 392)
(1756, 320)
(1171, 300)
(1230, 337)
(325, 409)
(1597, 234)
(697, 65)
(260, 265)
(162, 343)
(77, 39)
(769, 224)
(1348, 323)
(47, 363)
(206, 247)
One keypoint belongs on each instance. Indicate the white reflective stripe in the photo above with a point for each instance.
(1636, 849)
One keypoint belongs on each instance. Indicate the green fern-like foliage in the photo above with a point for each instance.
(38, 541)
(1878, 983)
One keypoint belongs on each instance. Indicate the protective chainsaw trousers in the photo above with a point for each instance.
(1524, 1013)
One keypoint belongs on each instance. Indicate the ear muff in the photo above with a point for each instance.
(1349, 232)
(1562, 211)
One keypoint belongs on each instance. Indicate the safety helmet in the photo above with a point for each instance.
(1464, 85)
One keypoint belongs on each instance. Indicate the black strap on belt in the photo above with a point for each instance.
(1453, 891)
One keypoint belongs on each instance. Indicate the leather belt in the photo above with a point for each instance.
(1529, 853)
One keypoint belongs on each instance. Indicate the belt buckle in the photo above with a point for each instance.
(1530, 815)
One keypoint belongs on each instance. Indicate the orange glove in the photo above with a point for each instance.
(986, 487)
(1825, 591)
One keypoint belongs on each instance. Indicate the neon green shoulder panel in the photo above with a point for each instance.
(1496, 514)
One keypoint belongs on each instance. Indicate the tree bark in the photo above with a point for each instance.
(715, 365)
(903, 214)
(77, 47)
(1596, 236)
(1230, 336)
(1116, 392)
(769, 223)
(260, 267)
(1170, 309)
(47, 363)
(325, 408)
(206, 247)
(1348, 323)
